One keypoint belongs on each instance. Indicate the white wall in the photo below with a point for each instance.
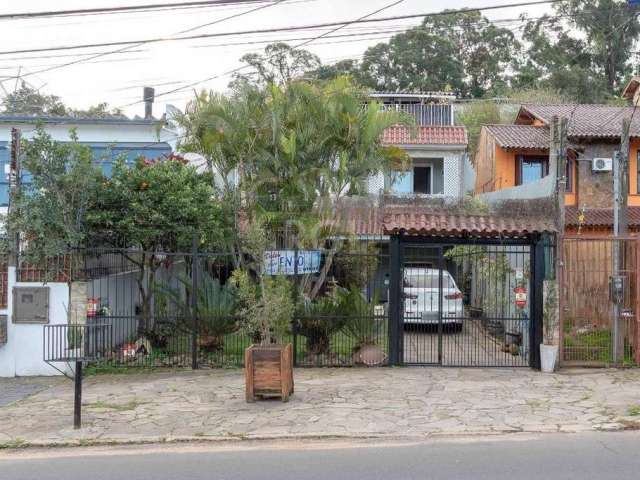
(22, 354)
(110, 133)
(453, 167)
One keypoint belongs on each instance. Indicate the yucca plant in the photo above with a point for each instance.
(360, 323)
(318, 320)
(215, 308)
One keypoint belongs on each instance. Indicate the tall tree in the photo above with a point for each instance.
(611, 28)
(461, 51)
(280, 63)
(296, 148)
(27, 100)
(559, 61)
(583, 52)
(153, 207)
(51, 210)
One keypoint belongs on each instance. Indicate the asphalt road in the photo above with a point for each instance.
(601, 456)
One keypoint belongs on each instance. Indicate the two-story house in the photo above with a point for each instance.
(437, 147)
(515, 158)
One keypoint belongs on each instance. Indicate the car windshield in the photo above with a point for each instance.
(427, 280)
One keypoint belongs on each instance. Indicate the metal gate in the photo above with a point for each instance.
(593, 316)
(465, 304)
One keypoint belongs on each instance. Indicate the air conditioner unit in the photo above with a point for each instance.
(602, 164)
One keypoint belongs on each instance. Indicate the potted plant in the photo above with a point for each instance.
(265, 312)
(549, 347)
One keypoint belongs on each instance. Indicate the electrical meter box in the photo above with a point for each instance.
(31, 305)
(616, 288)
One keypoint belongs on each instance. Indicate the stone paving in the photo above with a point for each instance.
(386, 402)
(15, 389)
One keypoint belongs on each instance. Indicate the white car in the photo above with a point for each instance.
(422, 297)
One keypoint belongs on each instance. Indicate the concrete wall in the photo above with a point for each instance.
(22, 354)
(112, 133)
(543, 188)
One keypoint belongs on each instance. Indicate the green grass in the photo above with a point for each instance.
(14, 443)
(177, 353)
(634, 411)
(593, 346)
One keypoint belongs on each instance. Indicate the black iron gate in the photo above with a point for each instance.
(466, 303)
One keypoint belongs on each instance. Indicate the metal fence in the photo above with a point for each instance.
(146, 302)
(593, 316)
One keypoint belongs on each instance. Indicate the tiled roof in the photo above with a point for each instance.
(587, 121)
(599, 217)
(418, 221)
(431, 135)
(358, 216)
(520, 136)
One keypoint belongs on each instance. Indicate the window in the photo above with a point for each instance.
(422, 180)
(569, 175)
(531, 168)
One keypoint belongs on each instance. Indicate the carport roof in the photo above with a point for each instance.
(428, 222)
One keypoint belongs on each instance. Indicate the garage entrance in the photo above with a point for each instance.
(466, 303)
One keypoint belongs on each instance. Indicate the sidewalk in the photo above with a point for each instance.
(403, 403)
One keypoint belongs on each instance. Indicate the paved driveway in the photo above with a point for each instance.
(473, 346)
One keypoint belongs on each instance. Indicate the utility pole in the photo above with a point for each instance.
(14, 188)
(620, 228)
(561, 174)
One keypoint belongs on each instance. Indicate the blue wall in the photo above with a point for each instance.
(104, 155)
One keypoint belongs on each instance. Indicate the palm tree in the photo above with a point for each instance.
(297, 149)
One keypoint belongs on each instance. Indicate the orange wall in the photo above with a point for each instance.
(506, 165)
(504, 168)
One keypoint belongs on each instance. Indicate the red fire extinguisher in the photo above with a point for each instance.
(92, 307)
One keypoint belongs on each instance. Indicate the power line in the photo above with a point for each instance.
(278, 29)
(360, 20)
(364, 30)
(121, 9)
(129, 47)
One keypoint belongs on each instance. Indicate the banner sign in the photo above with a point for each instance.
(282, 262)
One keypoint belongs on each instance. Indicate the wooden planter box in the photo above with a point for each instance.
(268, 371)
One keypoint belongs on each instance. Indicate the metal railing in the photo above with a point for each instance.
(432, 114)
(77, 342)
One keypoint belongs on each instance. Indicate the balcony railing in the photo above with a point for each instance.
(424, 114)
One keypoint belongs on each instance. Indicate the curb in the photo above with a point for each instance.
(19, 444)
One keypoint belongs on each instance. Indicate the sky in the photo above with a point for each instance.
(118, 79)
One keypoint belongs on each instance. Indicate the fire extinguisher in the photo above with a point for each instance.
(92, 307)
